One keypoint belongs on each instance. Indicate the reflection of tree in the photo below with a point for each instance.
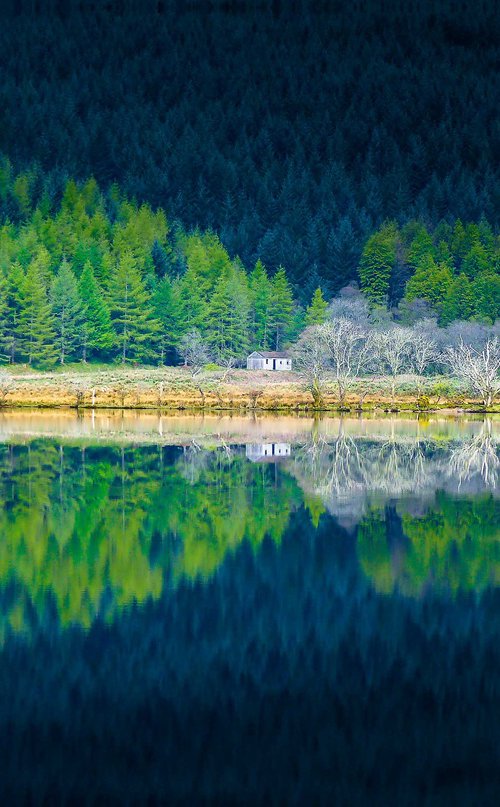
(455, 545)
(91, 532)
(477, 457)
(347, 473)
(350, 475)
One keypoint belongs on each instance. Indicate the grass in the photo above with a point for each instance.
(102, 386)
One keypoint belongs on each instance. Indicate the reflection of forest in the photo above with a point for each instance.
(84, 531)
(87, 531)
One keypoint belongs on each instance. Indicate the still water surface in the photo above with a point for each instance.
(237, 611)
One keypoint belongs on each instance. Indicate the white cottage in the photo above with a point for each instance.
(269, 360)
(268, 452)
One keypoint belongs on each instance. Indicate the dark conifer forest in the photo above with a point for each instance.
(343, 142)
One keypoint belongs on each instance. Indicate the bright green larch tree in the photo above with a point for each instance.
(67, 310)
(316, 311)
(132, 313)
(280, 308)
(98, 337)
(36, 321)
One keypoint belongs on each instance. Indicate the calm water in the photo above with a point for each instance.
(236, 612)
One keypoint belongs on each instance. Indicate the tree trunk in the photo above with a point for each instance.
(317, 394)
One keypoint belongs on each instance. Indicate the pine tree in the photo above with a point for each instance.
(132, 313)
(281, 308)
(376, 264)
(4, 318)
(458, 302)
(168, 311)
(36, 321)
(194, 306)
(260, 294)
(227, 318)
(97, 331)
(476, 261)
(316, 311)
(14, 291)
(486, 289)
(430, 282)
(67, 310)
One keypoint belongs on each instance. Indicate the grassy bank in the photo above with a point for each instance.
(174, 388)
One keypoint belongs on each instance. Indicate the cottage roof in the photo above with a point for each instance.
(271, 354)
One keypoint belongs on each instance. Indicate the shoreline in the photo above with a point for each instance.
(175, 390)
(212, 429)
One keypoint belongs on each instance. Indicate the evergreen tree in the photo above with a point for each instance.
(36, 321)
(97, 331)
(168, 312)
(14, 292)
(4, 318)
(316, 311)
(458, 302)
(430, 282)
(192, 299)
(260, 294)
(67, 310)
(227, 319)
(486, 293)
(376, 264)
(476, 261)
(281, 308)
(132, 313)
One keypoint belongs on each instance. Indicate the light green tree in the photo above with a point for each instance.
(280, 308)
(316, 311)
(98, 337)
(67, 310)
(36, 321)
(377, 262)
(260, 299)
(132, 313)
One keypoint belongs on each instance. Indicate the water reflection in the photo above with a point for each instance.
(184, 624)
(88, 531)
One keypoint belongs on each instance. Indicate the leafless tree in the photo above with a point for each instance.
(310, 360)
(477, 457)
(255, 393)
(479, 368)
(423, 352)
(350, 304)
(194, 351)
(349, 350)
(393, 348)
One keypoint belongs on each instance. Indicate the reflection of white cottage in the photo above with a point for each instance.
(268, 452)
(269, 360)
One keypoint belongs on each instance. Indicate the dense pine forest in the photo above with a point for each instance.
(96, 276)
(293, 135)
(229, 167)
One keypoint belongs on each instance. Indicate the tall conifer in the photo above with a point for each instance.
(132, 313)
(97, 331)
(67, 310)
(36, 321)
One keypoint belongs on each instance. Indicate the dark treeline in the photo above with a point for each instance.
(292, 135)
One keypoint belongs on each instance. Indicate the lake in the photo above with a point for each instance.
(249, 610)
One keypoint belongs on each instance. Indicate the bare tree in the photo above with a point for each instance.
(393, 349)
(349, 349)
(310, 360)
(423, 351)
(351, 304)
(194, 351)
(479, 368)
